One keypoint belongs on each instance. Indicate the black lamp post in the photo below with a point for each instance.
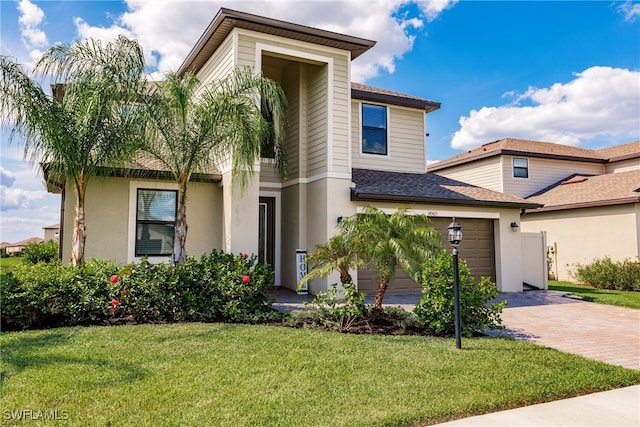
(455, 237)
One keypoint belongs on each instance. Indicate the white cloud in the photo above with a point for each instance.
(6, 177)
(599, 102)
(17, 198)
(167, 30)
(31, 16)
(630, 10)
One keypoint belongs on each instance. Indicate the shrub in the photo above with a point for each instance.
(436, 308)
(45, 252)
(219, 286)
(606, 274)
(332, 312)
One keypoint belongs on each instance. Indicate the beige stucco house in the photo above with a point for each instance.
(349, 145)
(591, 198)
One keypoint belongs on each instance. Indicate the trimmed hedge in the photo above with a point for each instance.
(217, 287)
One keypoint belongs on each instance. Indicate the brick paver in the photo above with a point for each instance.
(597, 331)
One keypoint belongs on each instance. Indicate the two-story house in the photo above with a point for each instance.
(591, 198)
(349, 145)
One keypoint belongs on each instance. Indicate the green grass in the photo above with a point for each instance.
(600, 296)
(8, 263)
(196, 374)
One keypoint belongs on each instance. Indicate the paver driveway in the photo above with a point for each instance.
(597, 331)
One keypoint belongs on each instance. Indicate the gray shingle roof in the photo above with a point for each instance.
(427, 188)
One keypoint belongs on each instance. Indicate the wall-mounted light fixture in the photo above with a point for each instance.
(514, 226)
(339, 219)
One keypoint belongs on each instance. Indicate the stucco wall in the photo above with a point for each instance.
(582, 235)
(108, 218)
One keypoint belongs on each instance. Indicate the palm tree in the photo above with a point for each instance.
(339, 254)
(196, 128)
(389, 241)
(88, 124)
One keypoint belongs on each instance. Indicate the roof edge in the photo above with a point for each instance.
(595, 204)
(355, 196)
(428, 106)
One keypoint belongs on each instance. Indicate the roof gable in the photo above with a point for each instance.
(374, 94)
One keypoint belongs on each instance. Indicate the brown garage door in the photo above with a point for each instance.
(476, 249)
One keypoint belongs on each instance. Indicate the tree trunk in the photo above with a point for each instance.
(180, 228)
(345, 277)
(79, 228)
(383, 282)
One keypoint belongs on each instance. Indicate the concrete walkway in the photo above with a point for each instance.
(606, 333)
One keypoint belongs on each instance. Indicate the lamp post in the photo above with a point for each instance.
(455, 237)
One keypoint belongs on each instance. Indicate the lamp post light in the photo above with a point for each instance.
(455, 237)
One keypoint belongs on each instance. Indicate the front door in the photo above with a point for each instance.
(266, 230)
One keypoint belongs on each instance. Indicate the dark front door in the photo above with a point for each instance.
(266, 230)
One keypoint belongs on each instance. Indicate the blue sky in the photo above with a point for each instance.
(565, 72)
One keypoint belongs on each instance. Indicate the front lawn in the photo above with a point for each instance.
(602, 296)
(10, 262)
(197, 374)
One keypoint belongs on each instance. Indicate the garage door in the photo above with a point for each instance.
(476, 249)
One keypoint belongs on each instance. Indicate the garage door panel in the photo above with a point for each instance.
(476, 249)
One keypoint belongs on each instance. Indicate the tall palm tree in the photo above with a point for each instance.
(89, 123)
(389, 241)
(196, 128)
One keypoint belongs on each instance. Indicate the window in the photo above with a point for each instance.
(155, 219)
(374, 129)
(520, 168)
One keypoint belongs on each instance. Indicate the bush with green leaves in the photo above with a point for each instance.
(436, 308)
(45, 252)
(218, 287)
(607, 274)
(335, 309)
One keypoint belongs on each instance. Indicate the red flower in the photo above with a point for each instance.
(206, 285)
(246, 279)
(126, 272)
(113, 309)
(125, 292)
(115, 302)
(114, 278)
(246, 255)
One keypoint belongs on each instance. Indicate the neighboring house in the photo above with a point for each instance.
(591, 198)
(17, 248)
(349, 145)
(52, 232)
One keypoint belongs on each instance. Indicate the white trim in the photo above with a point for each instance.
(295, 44)
(236, 48)
(278, 234)
(297, 181)
(388, 112)
(426, 147)
(513, 168)
(133, 203)
(349, 119)
(438, 213)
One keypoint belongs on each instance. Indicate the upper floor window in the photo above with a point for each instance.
(520, 168)
(374, 129)
(155, 221)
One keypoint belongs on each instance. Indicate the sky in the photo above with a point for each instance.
(560, 71)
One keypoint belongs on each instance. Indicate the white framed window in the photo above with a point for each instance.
(520, 167)
(155, 221)
(374, 129)
(152, 213)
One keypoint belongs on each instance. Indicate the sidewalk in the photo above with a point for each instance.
(619, 407)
